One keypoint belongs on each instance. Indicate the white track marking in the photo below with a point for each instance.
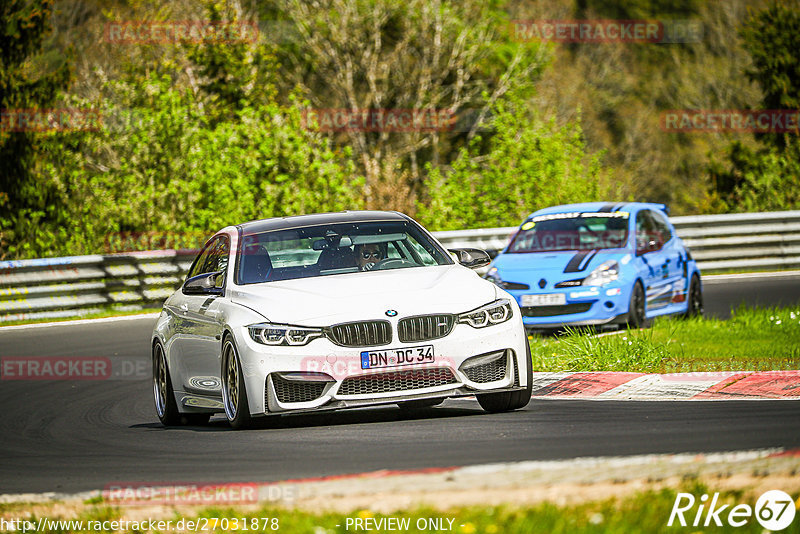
(665, 387)
(745, 277)
(81, 321)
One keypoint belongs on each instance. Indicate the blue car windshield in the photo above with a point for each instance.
(571, 231)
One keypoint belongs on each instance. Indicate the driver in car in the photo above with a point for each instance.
(367, 255)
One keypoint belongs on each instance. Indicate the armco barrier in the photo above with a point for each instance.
(73, 286)
(79, 285)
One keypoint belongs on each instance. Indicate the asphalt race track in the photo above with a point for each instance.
(69, 436)
(721, 294)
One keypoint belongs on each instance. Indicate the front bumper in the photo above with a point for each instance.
(325, 376)
(583, 306)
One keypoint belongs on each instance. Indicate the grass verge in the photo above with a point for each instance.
(753, 339)
(646, 511)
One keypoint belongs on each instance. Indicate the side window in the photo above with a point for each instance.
(424, 256)
(218, 258)
(213, 258)
(392, 251)
(662, 226)
(647, 239)
(197, 266)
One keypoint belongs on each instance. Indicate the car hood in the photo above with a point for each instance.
(326, 300)
(570, 264)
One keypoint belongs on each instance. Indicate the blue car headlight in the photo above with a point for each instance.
(605, 273)
(493, 275)
(283, 334)
(491, 314)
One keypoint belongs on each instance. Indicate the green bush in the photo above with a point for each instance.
(159, 165)
(529, 163)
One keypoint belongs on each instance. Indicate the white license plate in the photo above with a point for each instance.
(549, 299)
(376, 359)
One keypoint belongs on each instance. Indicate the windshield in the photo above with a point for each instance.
(335, 249)
(571, 231)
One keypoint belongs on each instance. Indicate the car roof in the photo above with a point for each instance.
(589, 207)
(300, 221)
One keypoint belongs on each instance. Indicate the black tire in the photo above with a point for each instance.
(419, 404)
(510, 400)
(164, 396)
(234, 394)
(695, 297)
(636, 308)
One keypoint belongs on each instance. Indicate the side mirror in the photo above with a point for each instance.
(474, 258)
(203, 284)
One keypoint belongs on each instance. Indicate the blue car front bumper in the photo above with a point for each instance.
(581, 305)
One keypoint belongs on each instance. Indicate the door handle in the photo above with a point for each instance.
(184, 307)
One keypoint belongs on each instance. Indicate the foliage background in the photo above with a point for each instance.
(197, 136)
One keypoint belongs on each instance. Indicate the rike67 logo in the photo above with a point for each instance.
(774, 510)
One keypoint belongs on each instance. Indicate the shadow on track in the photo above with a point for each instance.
(353, 416)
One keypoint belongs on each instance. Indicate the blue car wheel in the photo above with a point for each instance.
(695, 304)
(636, 311)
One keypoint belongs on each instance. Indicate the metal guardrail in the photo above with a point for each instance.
(768, 240)
(80, 285)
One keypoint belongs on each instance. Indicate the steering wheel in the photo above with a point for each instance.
(393, 263)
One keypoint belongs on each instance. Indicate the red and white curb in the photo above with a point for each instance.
(730, 385)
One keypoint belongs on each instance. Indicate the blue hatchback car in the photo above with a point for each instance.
(598, 263)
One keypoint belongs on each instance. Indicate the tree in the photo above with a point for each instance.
(772, 38)
(234, 75)
(191, 140)
(529, 163)
(165, 165)
(29, 80)
(623, 88)
(413, 55)
(766, 177)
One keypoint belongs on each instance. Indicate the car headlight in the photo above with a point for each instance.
(497, 312)
(283, 334)
(607, 272)
(493, 275)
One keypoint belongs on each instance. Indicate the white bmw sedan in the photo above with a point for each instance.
(330, 311)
